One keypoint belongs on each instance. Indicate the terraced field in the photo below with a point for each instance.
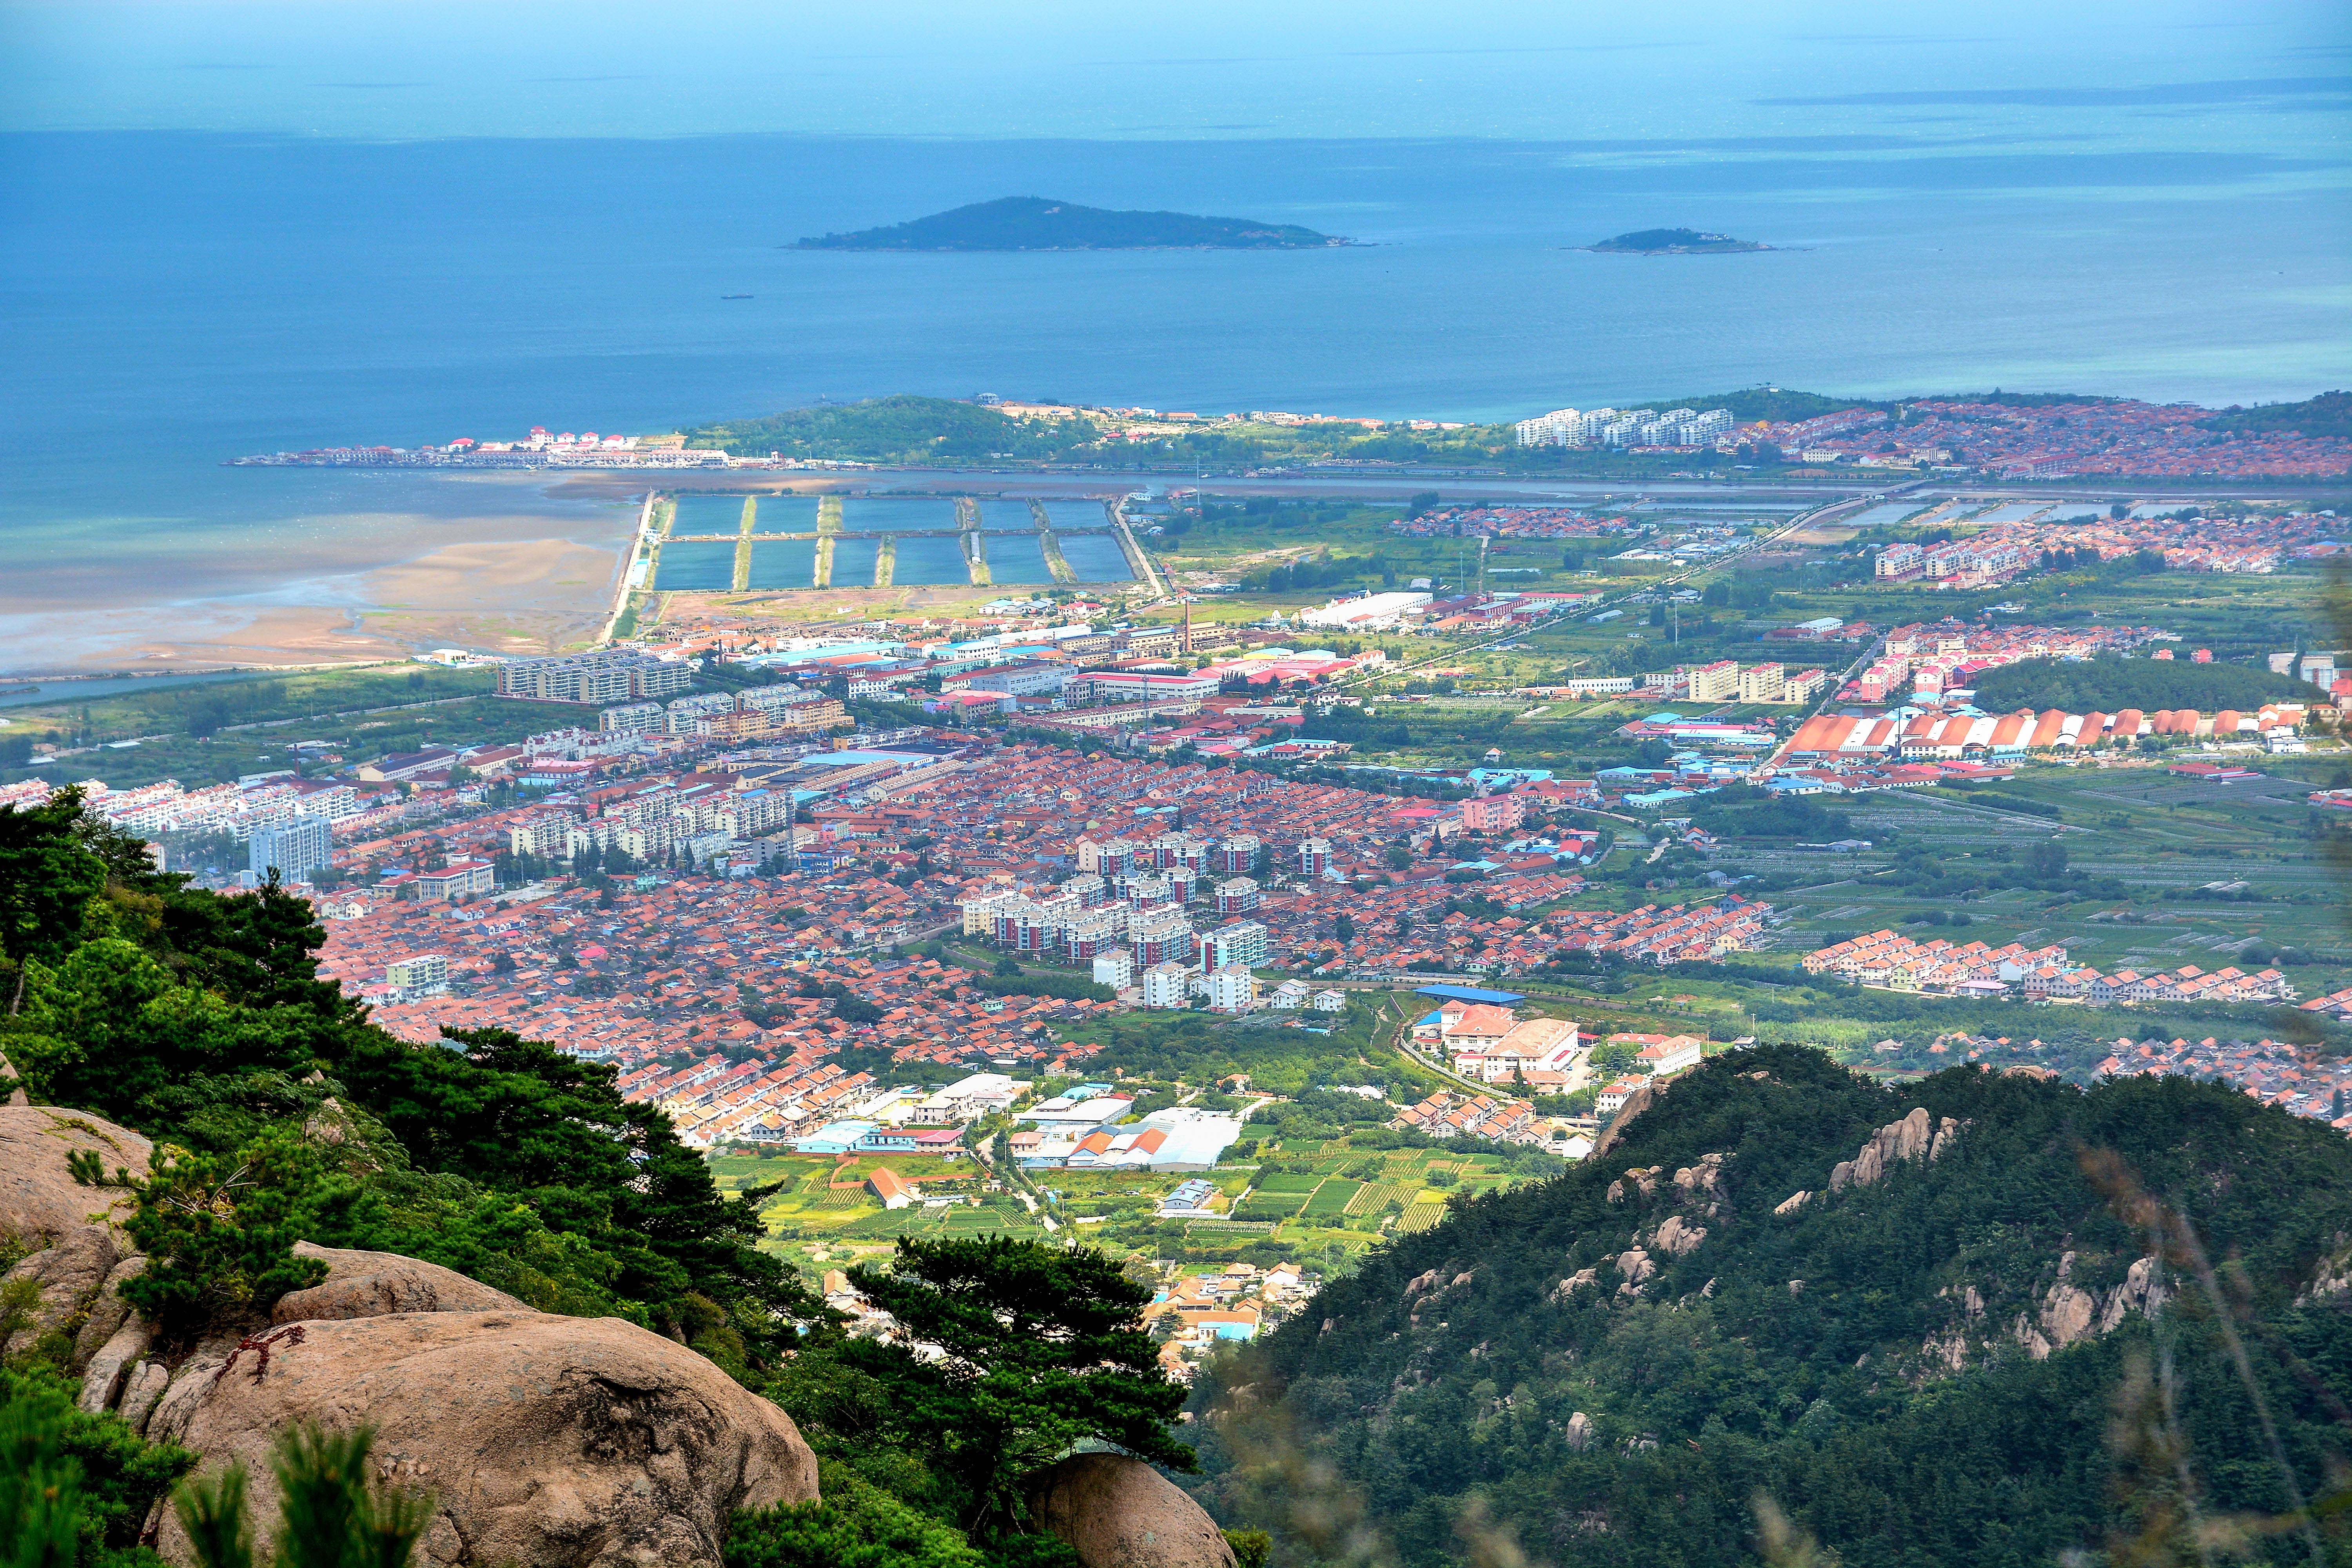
(1332, 1198)
(1372, 1197)
(1423, 1214)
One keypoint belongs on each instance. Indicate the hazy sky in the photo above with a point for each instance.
(2223, 74)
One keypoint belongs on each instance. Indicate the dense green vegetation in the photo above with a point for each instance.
(1790, 1367)
(1740, 811)
(2110, 685)
(2329, 414)
(74, 1488)
(1032, 983)
(280, 1114)
(1034, 222)
(334, 1510)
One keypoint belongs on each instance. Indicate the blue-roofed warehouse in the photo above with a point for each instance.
(1472, 994)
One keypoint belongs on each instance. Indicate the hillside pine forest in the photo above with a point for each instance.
(1665, 1358)
(1783, 1314)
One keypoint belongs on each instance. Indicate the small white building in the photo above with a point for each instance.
(1673, 1054)
(1115, 970)
(1332, 1001)
(1611, 1101)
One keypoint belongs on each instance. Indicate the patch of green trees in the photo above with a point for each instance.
(2109, 685)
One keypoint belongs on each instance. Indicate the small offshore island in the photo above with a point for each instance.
(1674, 242)
(1033, 223)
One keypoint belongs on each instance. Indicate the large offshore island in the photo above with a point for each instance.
(1033, 223)
(1674, 242)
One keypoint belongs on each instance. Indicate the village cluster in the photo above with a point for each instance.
(2052, 441)
(2002, 548)
(1892, 961)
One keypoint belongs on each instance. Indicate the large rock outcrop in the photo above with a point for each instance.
(584, 1443)
(72, 1232)
(1917, 1137)
(2069, 1312)
(1119, 1512)
(383, 1285)
(39, 1201)
(554, 1442)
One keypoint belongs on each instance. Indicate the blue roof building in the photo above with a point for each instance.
(1472, 994)
(833, 1138)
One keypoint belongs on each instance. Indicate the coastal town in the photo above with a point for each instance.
(777, 925)
(2037, 438)
(1243, 915)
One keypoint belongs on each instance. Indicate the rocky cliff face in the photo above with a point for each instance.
(566, 1442)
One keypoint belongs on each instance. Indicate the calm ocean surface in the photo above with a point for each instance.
(172, 298)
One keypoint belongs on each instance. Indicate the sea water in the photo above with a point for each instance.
(172, 300)
(783, 562)
(1077, 514)
(1017, 558)
(706, 513)
(705, 567)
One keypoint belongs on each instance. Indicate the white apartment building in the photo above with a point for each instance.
(682, 715)
(1115, 970)
(1242, 944)
(614, 674)
(418, 974)
(774, 700)
(296, 846)
(631, 718)
(1762, 683)
(1167, 986)
(1231, 990)
(978, 911)
(1563, 427)
(549, 835)
(1715, 682)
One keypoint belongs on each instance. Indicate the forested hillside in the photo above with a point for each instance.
(2002, 1327)
(2329, 414)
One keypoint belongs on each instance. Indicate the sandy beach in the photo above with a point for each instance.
(501, 566)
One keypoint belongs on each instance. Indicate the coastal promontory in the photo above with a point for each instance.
(1033, 223)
